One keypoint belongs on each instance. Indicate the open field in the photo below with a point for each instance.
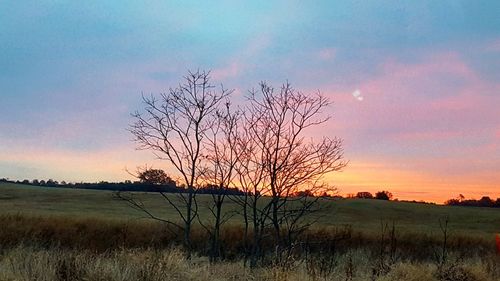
(362, 215)
(70, 234)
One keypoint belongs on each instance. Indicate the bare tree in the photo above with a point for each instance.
(262, 151)
(222, 157)
(251, 177)
(173, 127)
(285, 161)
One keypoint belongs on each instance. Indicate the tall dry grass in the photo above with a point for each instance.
(100, 235)
(62, 248)
(28, 263)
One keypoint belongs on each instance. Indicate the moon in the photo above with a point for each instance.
(357, 95)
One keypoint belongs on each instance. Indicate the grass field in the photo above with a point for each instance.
(70, 234)
(362, 214)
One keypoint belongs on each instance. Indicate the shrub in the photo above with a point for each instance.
(409, 272)
(458, 272)
(383, 195)
(364, 195)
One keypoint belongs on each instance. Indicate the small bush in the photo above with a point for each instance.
(457, 272)
(409, 272)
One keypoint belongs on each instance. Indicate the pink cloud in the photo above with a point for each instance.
(432, 124)
(439, 95)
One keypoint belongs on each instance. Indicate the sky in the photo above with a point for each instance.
(415, 84)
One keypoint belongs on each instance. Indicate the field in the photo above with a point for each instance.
(362, 214)
(70, 234)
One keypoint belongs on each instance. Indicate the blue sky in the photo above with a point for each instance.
(429, 72)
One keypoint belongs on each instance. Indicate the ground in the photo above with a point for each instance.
(365, 215)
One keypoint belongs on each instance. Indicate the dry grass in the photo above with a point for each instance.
(58, 248)
(26, 263)
(97, 234)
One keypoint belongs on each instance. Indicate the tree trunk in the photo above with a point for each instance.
(215, 251)
(245, 220)
(187, 223)
(257, 233)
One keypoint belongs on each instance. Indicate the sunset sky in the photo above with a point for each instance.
(415, 84)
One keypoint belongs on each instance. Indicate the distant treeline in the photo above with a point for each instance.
(381, 195)
(485, 201)
(163, 183)
(169, 187)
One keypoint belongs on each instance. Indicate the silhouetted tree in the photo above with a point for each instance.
(154, 177)
(364, 195)
(221, 157)
(173, 128)
(307, 193)
(486, 201)
(51, 183)
(251, 176)
(283, 162)
(383, 195)
(461, 197)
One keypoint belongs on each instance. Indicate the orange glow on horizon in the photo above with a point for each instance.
(410, 185)
(358, 176)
